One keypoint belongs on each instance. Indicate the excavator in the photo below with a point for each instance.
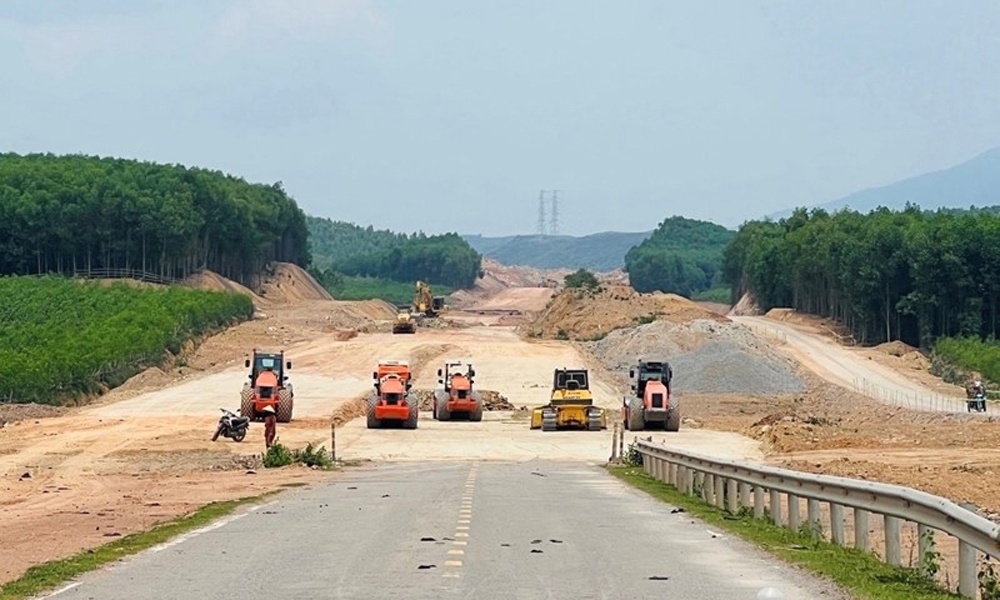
(425, 303)
(267, 386)
(457, 396)
(571, 405)
(652, 402)
(392, 401)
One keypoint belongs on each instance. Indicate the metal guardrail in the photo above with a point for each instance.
(732, 485)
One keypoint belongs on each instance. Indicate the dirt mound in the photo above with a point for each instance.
(288, 282)
(212, 281)
(706, 357)
(746, 307)
(492, 400)
(12, 413)
(896, 348)
(583, 315)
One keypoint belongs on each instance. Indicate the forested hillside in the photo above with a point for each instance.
(356, 251)
(66, 214)
(682, 256)
(599, 251)
(60, 338)
(886, 275)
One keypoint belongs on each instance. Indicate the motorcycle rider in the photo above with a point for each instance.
(978, 389)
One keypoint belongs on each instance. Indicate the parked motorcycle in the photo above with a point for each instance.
(231, 426)
(977, 403)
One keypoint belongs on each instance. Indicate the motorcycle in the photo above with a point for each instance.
(231, 426)
(977, 403)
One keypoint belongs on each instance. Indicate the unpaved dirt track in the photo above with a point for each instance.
(491, 530)
(840, 366)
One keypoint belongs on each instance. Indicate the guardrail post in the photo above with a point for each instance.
(837, 523)
(733, 503)
(861, 529)
(794, 519)
(708, 488)
(893, 552)
(758, 502)
(720, 492)
(672, 475)
(688, 481)
(813, 514)
(776, 507)
(699, 484)
(968, 578)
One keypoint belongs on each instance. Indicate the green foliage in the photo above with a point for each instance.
(582, 278)
(989, 582)
(907, 275)
(278, 455)
(60, 338)
(351, 250)
(71, 213)
(930, 561)
(562, 334)
(971, 354)
(633, 457)
(720, 295)
(344, 287)
(682, 256)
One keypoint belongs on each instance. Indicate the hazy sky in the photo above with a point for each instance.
(451, 115)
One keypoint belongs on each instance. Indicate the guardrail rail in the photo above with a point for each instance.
(732, 485)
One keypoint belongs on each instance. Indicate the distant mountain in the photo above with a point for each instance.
(600, 251)
(975, 182)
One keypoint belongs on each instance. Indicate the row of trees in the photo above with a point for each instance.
(351, 250)
(887, 275)
(61, 338)
(65, 214)
(683, 256)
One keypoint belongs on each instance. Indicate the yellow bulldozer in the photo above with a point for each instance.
(425, 303)
(571, 405)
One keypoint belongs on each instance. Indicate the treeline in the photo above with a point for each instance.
(355, 251)
(67, 214)
(909, 275)
(61, 338)
(682, 256)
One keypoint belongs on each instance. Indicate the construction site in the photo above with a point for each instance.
(515, 369)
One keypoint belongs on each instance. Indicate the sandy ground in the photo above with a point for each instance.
(142, 453)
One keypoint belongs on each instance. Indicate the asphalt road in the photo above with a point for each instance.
(462, 530)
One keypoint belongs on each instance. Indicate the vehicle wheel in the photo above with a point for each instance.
(594, 420)
(673, 421)
(218, 431)
(549, 422)
(246, 403)
(441, 412)
(411, 421)
(477, 413)
(625, 414)
(636, 417)
(285, 404)
(239, 434)
(373, 423)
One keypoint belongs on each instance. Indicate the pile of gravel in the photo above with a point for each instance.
(706, 357)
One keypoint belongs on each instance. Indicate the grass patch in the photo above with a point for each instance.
(369, 288)
(48, 575)
(718, 294)
(862, 574)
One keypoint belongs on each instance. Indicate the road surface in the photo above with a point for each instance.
(840, 366)
(455, 530)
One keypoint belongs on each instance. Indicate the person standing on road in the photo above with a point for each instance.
(270, 425)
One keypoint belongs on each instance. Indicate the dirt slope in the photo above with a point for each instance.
(288, 282)
(582, 315)
(212, 281)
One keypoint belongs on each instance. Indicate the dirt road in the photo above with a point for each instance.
(849, 369)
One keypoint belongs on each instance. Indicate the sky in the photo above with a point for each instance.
(440, 115)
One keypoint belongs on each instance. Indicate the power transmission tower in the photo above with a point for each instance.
(541, 212)
(554, 223)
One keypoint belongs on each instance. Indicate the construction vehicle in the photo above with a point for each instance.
(457, 396)
(404, 323)
(425, 303)
(651, 402)
(392, 402)
(571, 404)
(267, 386)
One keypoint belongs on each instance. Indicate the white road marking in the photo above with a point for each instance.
(65, 588)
